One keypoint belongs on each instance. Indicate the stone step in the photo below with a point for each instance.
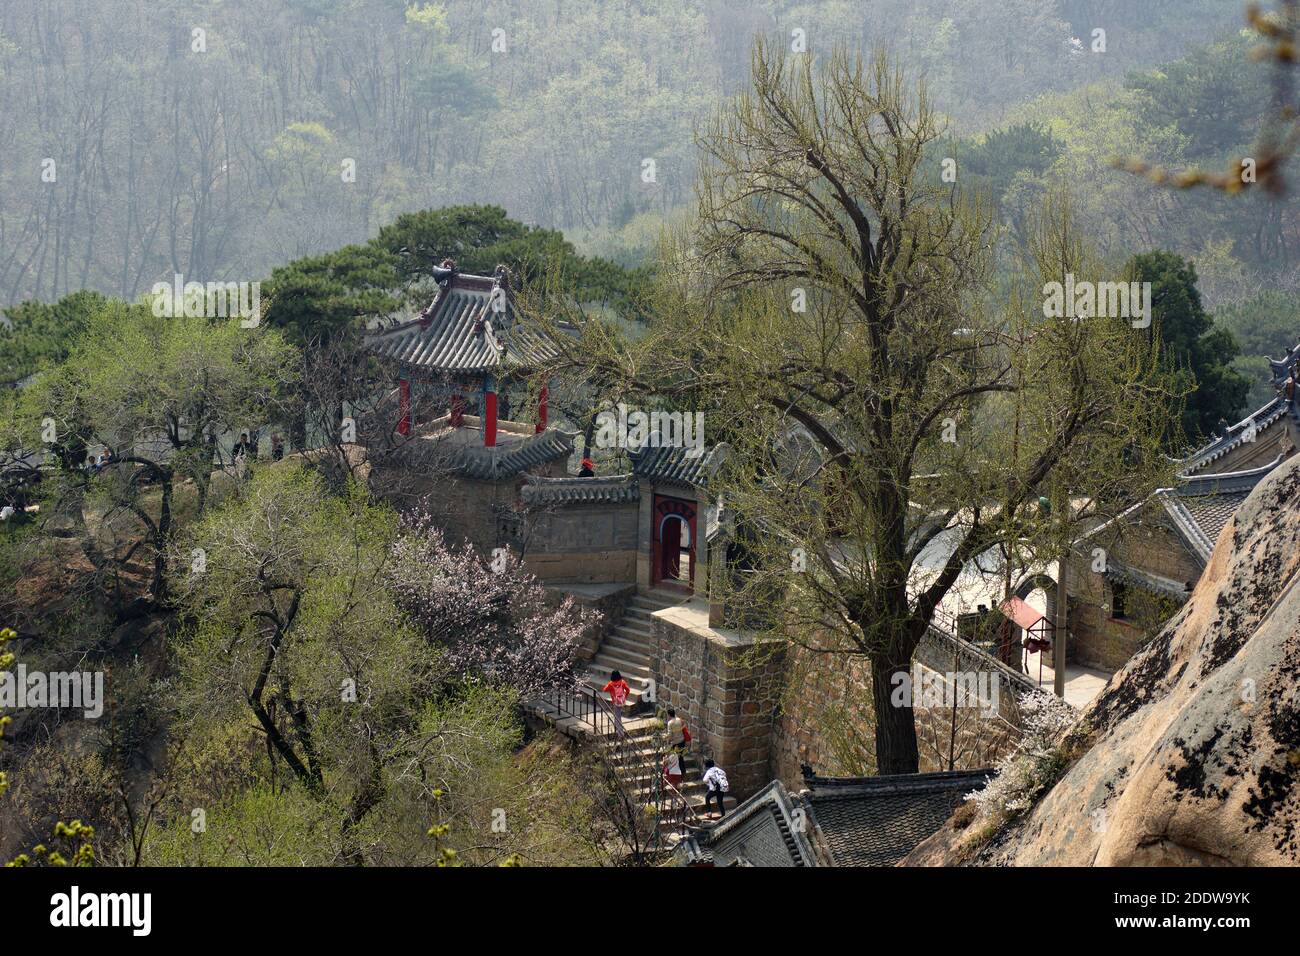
(630, 643)
(634, 626)
(668, 597)
(612, 659)
(643, 752)
(631, 634)
(638, 683)
(642, 609)
(634, 697)
(641, 786)
(619, 637)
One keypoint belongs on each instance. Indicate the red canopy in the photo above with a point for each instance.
(1021, 613)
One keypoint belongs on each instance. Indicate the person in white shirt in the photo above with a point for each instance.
(673, 769)
(715, 781)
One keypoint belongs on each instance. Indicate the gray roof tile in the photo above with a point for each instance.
(563, 491)
(676, 465)
(458, 332)
(1201, 504)
(759, 832)
(514, 458)
(876, 821)
(1262, 418)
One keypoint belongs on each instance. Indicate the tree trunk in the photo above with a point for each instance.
(896, 749)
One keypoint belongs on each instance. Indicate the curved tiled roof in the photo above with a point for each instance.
(677, 465)
(1153, 583)
(760, 832)
(1202, 504)
(1281, 368)
(857, 821)
(1262, 418)
(876, 821)
(614, 489)
(508, 460)
(461, 331)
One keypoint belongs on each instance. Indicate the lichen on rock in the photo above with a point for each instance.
(1193, 753)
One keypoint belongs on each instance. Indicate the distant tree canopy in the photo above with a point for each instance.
(1267, 325)
(1190, 341)
(479, 238)
(993, 162)
(38, 334)
(318, 296)
(315, 297)
(1215, 97)
(301, 125)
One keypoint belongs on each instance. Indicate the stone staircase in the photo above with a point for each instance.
(626, 648)
(635, 762)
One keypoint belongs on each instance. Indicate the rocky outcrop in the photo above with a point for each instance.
(1191, 755)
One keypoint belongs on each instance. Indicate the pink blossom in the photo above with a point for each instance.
(493, 618)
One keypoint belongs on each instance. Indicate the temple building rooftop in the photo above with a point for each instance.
(519, 448)
(1201, 505)
(836, 821)
(612, 489)
(677, 465)
(1231, 439)
(470, 326)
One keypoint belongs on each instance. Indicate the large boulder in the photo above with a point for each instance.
(1191, 755)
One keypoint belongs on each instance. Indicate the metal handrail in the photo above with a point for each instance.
(586, 705)
(676, 800)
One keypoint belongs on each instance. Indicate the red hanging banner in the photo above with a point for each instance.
(404, 407)
(542, 410)
(490, 414)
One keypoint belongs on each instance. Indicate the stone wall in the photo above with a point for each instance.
(826, 716)
(607, 600)
(1097, 638)
(724, 686)
(590, 543)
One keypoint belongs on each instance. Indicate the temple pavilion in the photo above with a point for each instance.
(465, 355)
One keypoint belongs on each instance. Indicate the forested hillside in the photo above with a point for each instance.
(145, 138)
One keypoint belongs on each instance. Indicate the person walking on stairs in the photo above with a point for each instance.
(715, 782)
(618, 690)
(673, 770)
(679, 737)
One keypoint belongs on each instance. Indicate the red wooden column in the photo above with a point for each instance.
(404, 406)
(542, 410)
(489, 412)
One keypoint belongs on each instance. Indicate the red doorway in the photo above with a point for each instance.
(672, 544)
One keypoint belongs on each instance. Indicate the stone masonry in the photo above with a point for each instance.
(726, 686)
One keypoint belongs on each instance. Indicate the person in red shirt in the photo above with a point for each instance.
(618, 690)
